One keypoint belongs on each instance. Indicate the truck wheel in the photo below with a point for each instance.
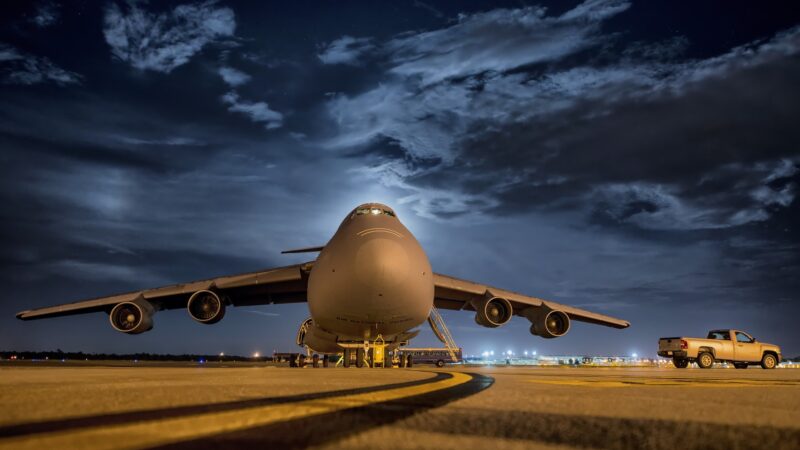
(440, 363)
(769, 361)
(740, 365)
(705, 360)
(680, 363)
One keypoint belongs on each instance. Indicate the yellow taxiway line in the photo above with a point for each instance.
(164, 431)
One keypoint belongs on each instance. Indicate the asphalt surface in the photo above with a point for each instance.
(461, 407)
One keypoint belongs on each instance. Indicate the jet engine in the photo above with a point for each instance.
(206, 307)
(132, 317)
(492, 312)
(547, 323)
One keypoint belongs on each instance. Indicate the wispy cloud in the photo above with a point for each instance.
(261, 313)
(47, 14)
(451, 100)
(256, 111)
(162, 42)
(345, 50)
(23, 68)
(170, 141)
(233, 77)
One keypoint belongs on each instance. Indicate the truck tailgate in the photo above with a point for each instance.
(670, 344)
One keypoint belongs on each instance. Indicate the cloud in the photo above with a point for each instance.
(162, 42)
(233, 77)
(170, 141)
(9, 53)
(256, 111)
(345, 50)
(47, 14)
(261, 313)
(499, 40)
(511, 111)
(26, 69)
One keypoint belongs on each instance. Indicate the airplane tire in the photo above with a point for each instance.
(387, 360)
(769, 361)
(301, 360)
(315, 361)
(401, 361)
(360, 357)
(325, 360)
(705, 360)
(409, 362)
(346, 358)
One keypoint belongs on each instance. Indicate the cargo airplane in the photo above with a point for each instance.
(372, 280)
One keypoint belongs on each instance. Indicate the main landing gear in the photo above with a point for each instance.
(370, 354)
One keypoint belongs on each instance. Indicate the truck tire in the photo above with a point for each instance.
(705, 360)
(440, 363)
(769, 361)
(740, 365)
(680, 363)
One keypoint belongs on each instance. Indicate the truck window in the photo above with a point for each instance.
(741, 337)
(720, 335)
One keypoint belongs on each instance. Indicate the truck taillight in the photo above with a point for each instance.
(684, 344)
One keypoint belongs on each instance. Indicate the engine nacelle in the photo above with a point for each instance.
(206, 307)
(547, 323)
(132, 317)
(492, 312)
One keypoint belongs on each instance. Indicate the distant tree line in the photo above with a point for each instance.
(59, 354)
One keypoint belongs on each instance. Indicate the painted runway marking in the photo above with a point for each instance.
(149, 433)
(683, 382)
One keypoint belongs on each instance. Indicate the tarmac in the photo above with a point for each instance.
(221, 406)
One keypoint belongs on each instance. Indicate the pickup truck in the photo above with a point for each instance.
(732, 346)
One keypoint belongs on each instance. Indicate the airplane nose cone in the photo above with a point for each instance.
(382, 263)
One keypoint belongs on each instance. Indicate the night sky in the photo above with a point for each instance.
(635, 159)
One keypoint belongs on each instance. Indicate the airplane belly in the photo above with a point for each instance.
(370, 284)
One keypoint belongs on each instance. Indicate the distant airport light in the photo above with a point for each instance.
(491, 352)
(221, 354)
(256, 355)
(534, 353)
(635, 355)
(525, 352)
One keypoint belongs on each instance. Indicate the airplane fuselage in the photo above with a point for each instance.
(372, 278)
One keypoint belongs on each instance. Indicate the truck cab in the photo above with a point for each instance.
(734, 346)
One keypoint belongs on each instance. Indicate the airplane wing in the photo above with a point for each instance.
(454, 293)
(282, 285)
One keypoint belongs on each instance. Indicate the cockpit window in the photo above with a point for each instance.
(373, 211)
